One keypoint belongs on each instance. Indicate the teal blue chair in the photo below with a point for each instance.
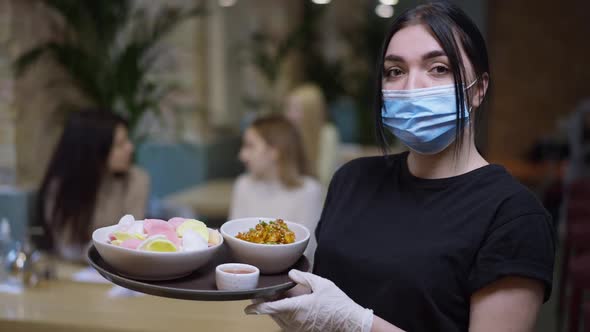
(345, 116)
(172, 167)
(17, 206)
(179, 166)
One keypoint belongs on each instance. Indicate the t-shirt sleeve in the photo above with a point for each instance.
(521, 247)
(342, 181)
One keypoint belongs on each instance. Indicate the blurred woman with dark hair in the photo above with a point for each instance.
(277, 182)
(90, 182)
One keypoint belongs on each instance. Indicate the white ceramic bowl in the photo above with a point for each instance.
(269, 258)
(148, 265)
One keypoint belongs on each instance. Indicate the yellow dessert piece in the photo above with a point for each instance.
(159, 245)
(196, 226)
(214, 237)
(122, 236)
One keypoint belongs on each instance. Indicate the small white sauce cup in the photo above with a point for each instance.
(236, 276)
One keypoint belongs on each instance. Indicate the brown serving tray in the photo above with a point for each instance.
(199, 285)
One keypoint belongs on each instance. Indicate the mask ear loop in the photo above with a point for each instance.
(467, 88)
(471, 84)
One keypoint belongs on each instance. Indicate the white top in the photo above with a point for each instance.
(259, 198)
(328, 153)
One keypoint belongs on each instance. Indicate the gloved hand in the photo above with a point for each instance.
(327, 308)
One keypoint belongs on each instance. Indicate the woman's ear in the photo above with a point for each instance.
(481, 89)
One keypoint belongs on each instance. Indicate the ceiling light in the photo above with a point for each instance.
(389, 2)
(227, 3)
(321, 2)
(384, 11)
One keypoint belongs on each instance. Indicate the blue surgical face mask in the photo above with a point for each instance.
(423, 119)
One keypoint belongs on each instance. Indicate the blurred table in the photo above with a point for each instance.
(65, 305)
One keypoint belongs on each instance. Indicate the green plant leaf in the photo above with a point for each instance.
(109, 49)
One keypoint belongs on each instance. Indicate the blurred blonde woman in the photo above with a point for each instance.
(276, 182)
(306, 108)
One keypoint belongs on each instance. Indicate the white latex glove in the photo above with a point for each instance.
(327, 308)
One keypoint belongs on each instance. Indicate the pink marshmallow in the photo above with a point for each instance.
(157, 226)
(176, 221)
(171, 235)
(151, 225)
(131, 243)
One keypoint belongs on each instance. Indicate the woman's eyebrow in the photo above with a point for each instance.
(433, 54)
(426, 56)
(393, 58)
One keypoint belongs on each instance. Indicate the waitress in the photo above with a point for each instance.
(434, 239)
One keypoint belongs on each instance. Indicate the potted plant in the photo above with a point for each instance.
(110, 50)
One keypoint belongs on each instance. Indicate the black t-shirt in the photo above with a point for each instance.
(414, 250)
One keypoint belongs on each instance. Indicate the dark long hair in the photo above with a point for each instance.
(451, 27)
(75, 172)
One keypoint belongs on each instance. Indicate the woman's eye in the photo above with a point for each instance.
(440, 70)
(393, 72)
